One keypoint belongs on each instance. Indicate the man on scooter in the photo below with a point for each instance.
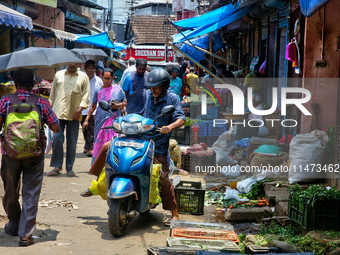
(157, 97)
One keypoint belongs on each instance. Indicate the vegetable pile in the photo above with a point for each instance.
(311, 195)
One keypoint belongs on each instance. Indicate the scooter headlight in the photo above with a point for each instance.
(131, 128)
(117, 126)
(145, 128)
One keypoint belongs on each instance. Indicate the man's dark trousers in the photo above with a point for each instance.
(72, 130)
(88, 133)
(32, 169)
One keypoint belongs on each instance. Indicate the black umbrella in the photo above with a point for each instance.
(36, 57)
(89, 53)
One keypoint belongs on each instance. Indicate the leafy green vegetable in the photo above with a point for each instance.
(308, 243)
(256, 191)
(330, 145)
(310, 195)
(189, 122)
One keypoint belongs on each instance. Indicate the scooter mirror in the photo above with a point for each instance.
(168, 110)
(104, 105)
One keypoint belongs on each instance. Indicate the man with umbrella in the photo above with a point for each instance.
(70, 95)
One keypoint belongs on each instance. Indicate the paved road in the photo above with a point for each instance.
(66, 230)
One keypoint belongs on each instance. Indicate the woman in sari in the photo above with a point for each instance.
(110, 93)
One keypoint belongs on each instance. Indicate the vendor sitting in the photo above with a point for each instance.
(258, 106)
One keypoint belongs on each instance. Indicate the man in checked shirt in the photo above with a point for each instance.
(22, 220)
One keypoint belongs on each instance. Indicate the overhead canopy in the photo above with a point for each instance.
(213, 16)
(202, 42)
(100, 40)
(58, 33)
(9, 16)
(88, 3)
(309, 7)
(204, 29)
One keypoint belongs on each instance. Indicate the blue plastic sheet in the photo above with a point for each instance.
(309, 7)
(178, 38)
(242, 143)
(101, 40)
(203, 43)
(213, 16)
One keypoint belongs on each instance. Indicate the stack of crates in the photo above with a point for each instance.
(181, 135)
(203, 131)
(212, 113)
(214, 132)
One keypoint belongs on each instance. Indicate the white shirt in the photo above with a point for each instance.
(100, 64)
(126, 72)
(94, 83)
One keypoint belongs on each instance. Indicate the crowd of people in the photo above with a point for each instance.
(73, 99)
(72, 102)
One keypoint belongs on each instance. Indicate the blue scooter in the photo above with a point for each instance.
(128, 168)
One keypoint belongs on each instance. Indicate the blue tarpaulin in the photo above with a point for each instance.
(309, 7)
(213, 16)
(101, 40)
(201, 30)
(202, 42)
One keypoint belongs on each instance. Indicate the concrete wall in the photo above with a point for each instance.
(46, 18)
(323, 93)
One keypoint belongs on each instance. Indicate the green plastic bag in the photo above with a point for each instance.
(99, 187)
(154, 197)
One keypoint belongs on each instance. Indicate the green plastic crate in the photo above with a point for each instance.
(325, 215)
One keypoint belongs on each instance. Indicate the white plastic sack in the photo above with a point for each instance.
(305, 150)
(245, 185)
(48, 134)
(263, 131)
(231, 171)
(232, 194)
(223, 147)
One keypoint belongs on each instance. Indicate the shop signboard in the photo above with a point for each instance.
(150, 54)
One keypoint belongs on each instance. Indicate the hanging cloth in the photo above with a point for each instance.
(297, 68)
(296, 61)
(290, 52)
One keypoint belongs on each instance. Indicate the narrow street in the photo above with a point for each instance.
(83, 229)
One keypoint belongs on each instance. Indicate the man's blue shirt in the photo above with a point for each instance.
(152, 110)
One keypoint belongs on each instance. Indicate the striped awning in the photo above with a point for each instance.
(11, 17)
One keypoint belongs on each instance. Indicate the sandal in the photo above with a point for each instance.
(86, 193)
(71, 173)
(26, 242)
(54, 172)
(10, 231)
(168, 223)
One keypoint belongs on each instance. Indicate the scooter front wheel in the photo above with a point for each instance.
(117, 217)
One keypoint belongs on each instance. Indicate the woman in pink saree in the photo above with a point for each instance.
(107, 92)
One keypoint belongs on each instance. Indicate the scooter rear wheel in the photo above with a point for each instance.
(117, 219)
